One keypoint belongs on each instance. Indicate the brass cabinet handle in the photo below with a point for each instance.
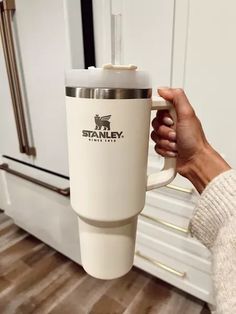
(178, 188)
(64, 192)
(165, 223)
(10, 79)
(161, 265)
(7, 7)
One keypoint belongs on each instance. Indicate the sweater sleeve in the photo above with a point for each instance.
(214, 224)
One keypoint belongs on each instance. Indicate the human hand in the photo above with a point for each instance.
(186, 141)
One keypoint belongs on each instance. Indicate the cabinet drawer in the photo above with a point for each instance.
(168, 212)
(42, 212)
(179, 268)
(169, 203)
(183, 242)
(177, 253)
(166, 219)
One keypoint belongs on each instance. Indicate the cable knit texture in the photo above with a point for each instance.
(214, 224)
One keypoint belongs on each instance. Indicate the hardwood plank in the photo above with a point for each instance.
(4, 283)
(36, 279)
(174, 304)
(190, 306)
(4, 218)
(14, 238)
(151, 298)
(14, 271)
(6, 223)
(68, 308)
(107, 305)
(36, 254)
(57, 289)
(85, 295)
(32, 282)
(18, 250)
(181, 303)
(8, 229)
(20, 267)
(125, 288)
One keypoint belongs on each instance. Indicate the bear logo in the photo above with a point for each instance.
(102, 122)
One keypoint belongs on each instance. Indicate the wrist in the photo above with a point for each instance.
(205, 166)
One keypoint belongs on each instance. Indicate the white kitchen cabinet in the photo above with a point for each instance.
(146, 35)
(179, 268)
(150, 38)
(42, 212)
(184, 242)
(147, 32)
(46, 45)
(205, 38)
(204, 65)
(194, 50)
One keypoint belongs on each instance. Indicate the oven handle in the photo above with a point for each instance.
(11, 81)
(64, 192)
(7, 8)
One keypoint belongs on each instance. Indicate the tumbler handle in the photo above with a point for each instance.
(168, 173)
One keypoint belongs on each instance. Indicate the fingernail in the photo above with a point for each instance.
(172, 135)
(164, 87)
(168, 121)
(173, 146)
(171, 154)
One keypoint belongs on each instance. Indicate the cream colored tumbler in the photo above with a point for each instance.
(108, 120)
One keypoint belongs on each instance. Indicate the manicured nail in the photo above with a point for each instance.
(163, 87)
(171, 154)
(168, 121)
(172, 136)
(173, 146)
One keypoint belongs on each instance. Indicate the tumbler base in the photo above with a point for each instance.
(107, 252)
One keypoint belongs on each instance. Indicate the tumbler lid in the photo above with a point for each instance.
(109, 76)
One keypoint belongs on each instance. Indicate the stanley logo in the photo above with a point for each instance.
(102, 131)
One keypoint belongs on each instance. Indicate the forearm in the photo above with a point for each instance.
(205, 166)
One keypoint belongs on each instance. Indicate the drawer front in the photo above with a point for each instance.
(183, 242)
(168, 212)
(169, 203)
(42, 212)
(173, 266)
(166, 219)
(175, 253)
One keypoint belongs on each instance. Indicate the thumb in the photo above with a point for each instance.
(179, 100)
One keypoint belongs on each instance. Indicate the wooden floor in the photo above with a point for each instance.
(34, 278)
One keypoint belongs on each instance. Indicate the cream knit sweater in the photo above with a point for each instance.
(214, 224)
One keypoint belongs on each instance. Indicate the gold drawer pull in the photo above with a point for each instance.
(163, 266)
(165, 223)
(178, 188)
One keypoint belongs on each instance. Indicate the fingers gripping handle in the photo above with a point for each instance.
(168, 173)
